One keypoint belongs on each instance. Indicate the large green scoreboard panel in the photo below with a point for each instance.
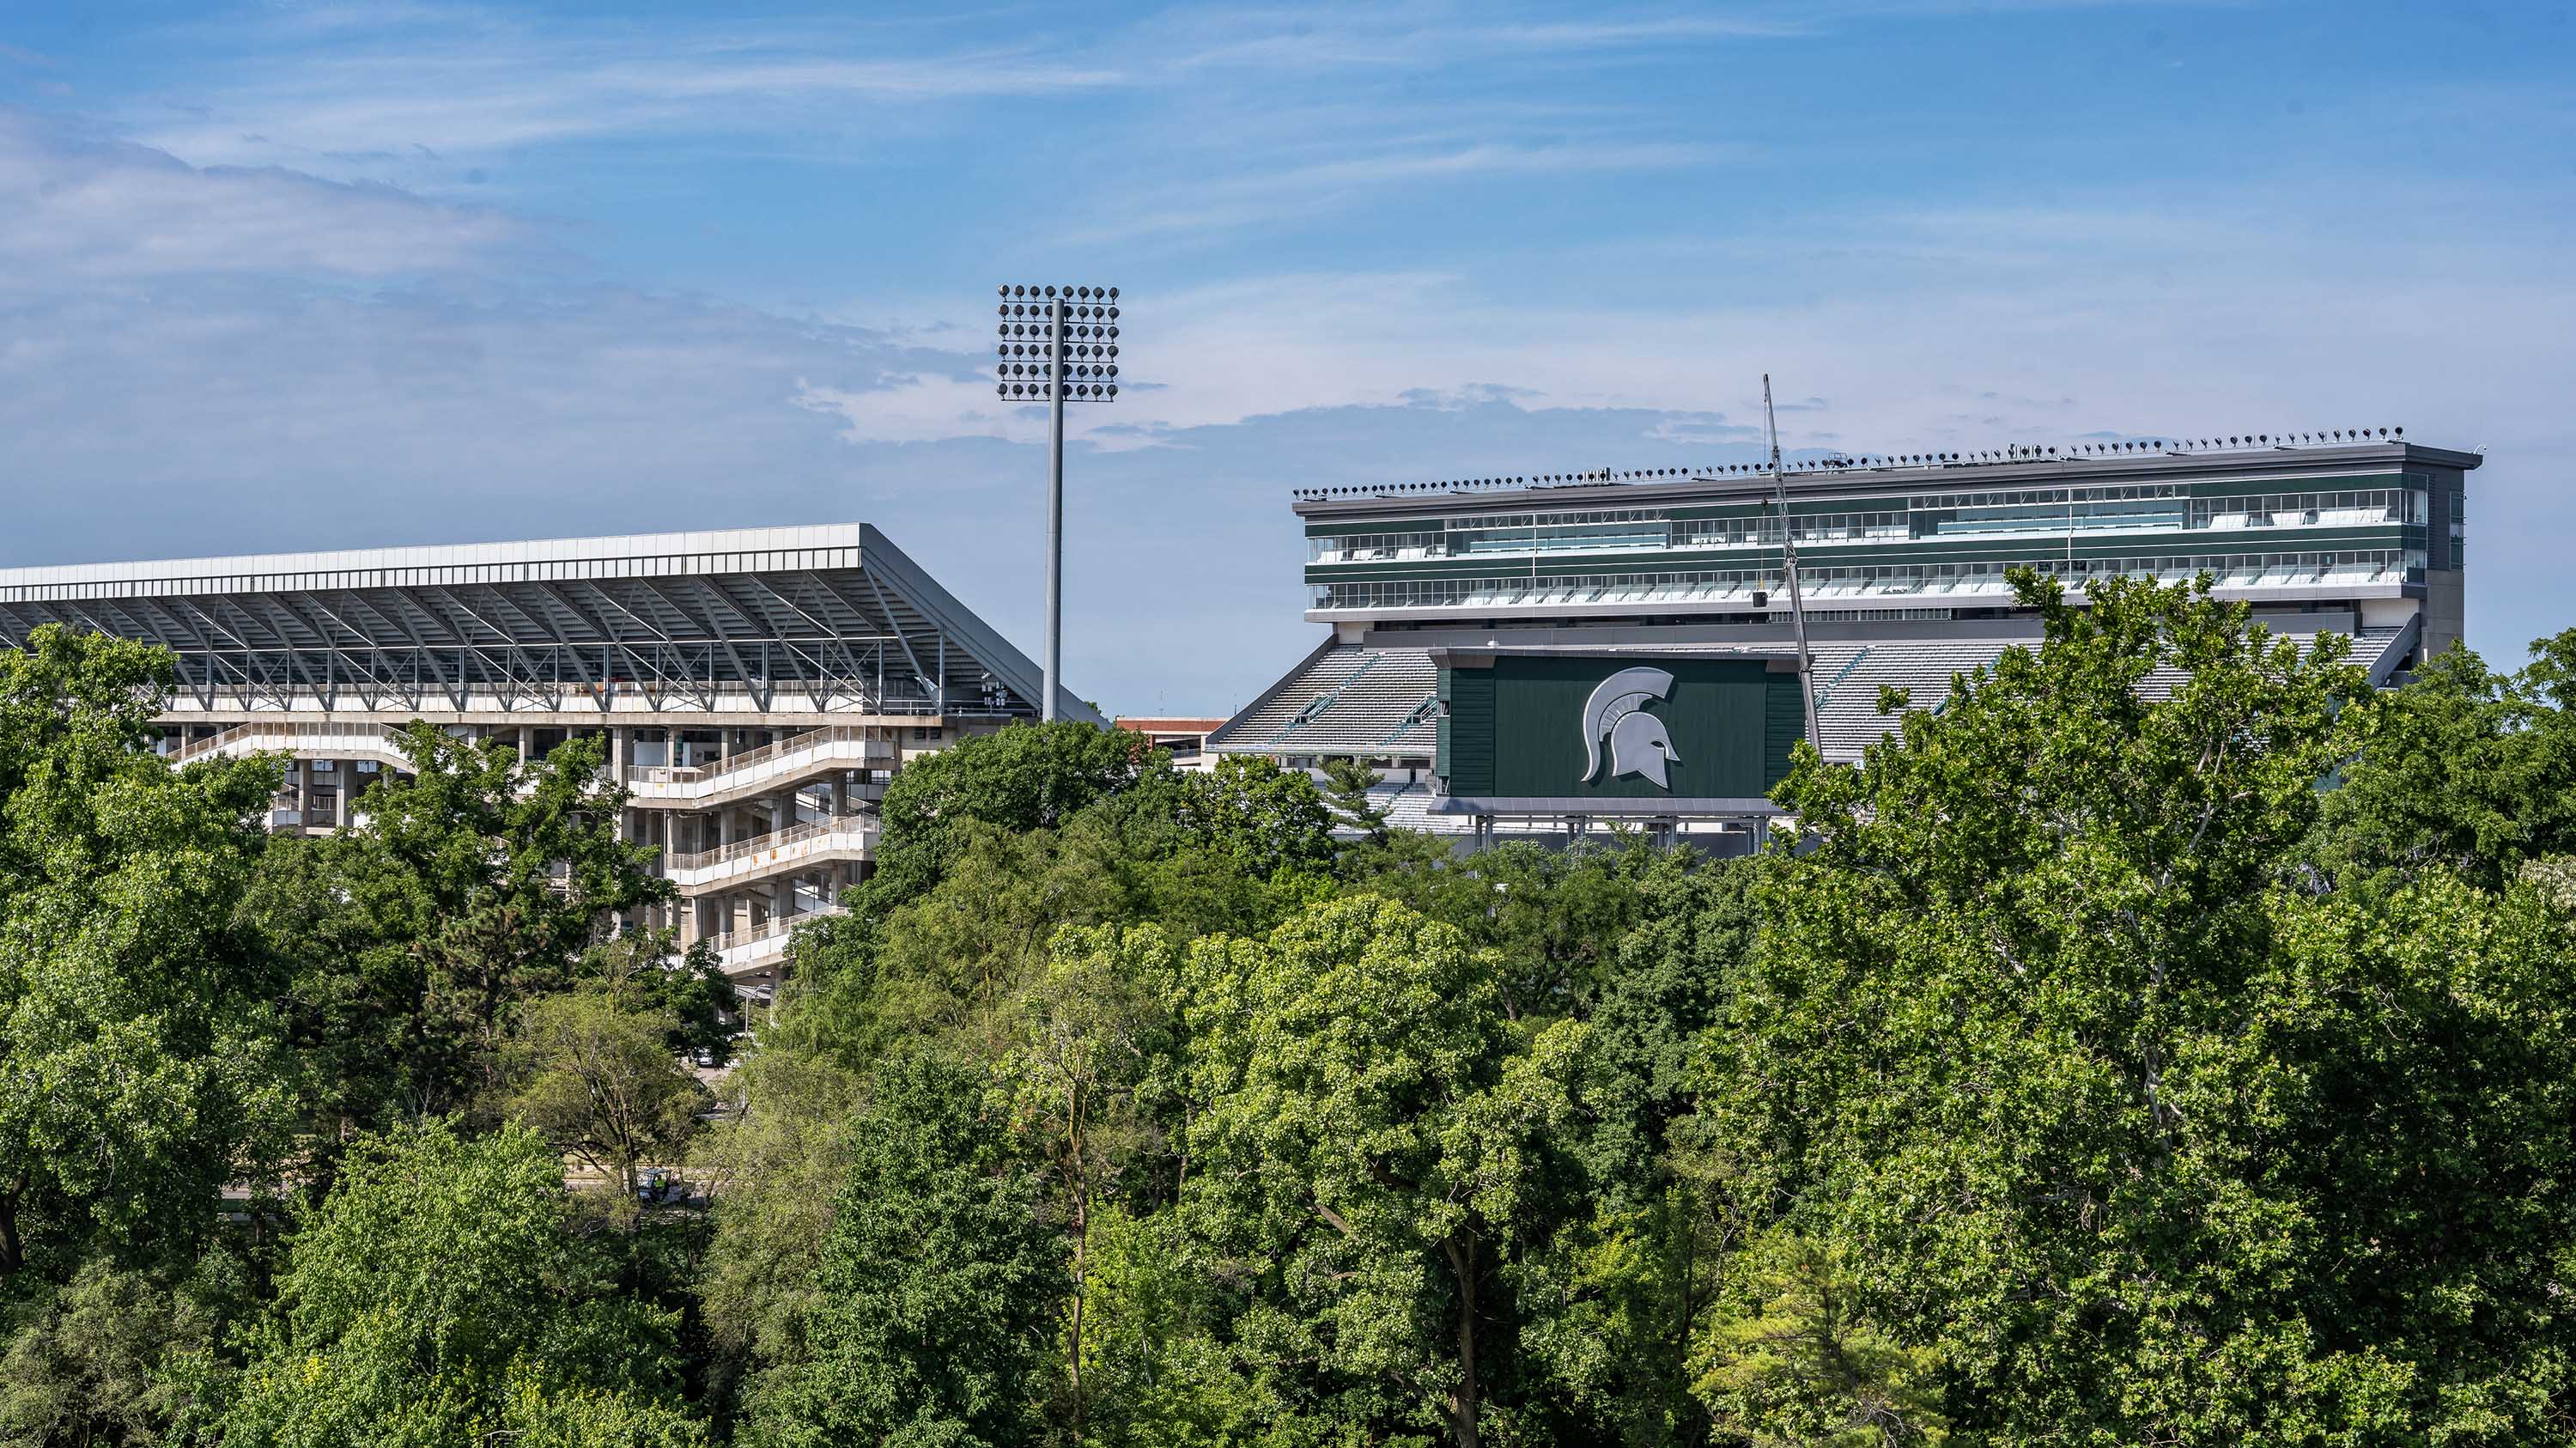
(1556, 725)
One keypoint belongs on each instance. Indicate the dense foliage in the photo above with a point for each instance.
(2165, 1039)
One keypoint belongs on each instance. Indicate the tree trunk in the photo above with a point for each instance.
(13, 1253)
(1081, 1267)
(1077, 1179)
(1689, 1275)
(1463, 1408)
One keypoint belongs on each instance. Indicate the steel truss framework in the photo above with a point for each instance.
(857, 630)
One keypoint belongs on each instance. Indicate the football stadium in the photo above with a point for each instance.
(1534, 656)
(1540, 655)
(756, 688)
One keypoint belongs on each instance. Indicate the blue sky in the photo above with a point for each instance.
(306, 275)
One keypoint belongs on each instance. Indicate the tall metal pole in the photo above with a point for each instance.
(1055, 505)
(1789, 556)
(1042, 330)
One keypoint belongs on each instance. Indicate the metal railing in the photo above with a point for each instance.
(753, 759)
(778, 925)
(360, 738)
(862, 825)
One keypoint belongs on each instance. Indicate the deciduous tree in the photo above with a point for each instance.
(1373, 1146)
(469, 886)
(141, 1071)
(432, 1290)
(598, 1079)
(939, 1287)
(2462, 769)
(1026, 777)
(2087, 1097)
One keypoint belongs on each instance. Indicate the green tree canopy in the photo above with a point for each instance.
(1233, 849)
(103, 1359)
(1099, 1052)
(434, 1284)
(1372, 1148)
(1025, 777)
(2075, 1097)
(596, 1076)
(1346, 786)
(140, 1071)
(1263, 818)
(2462, 769)
(471, 885)
(939, 1286)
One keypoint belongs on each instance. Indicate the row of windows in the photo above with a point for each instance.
(2008, 511)
(1962, 515)
(1575, 517)
(2214, 514)
(2283, 510)
(2359, 566)
(1812, 527)
(2036, 497)
(1375, 545)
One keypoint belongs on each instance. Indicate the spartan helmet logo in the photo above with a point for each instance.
(1617, 711)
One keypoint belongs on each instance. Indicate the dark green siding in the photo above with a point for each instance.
(1785, 725)
(1515, 730)
(1466, 756)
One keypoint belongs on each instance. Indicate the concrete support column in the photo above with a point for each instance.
(345, 775)
(724, 826)
(527, 743)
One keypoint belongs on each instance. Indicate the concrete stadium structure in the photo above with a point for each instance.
(756, 688)
(1902, 562)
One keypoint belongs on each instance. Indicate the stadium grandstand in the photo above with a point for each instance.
(1428, 588)
(756, 688)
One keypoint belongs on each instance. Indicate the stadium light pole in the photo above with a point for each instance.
(1059, 345)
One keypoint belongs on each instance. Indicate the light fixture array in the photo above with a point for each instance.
(1061, 337)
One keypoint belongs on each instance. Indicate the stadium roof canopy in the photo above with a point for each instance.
(808, 621)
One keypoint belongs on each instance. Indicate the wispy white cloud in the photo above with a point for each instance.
(922, 407)
(349, 88)
(111, 211)
(2018, 322)
(1257, 195)
(1394, 36)
(471, 82)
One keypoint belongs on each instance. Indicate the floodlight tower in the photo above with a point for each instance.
(1059, 344)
